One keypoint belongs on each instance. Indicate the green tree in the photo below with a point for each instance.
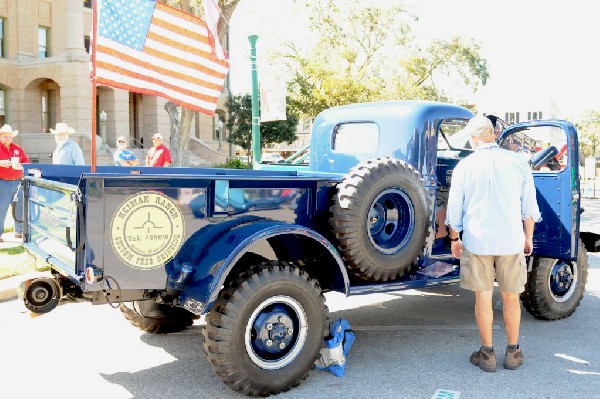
(589, 131)
(367, 53)
(181, 118)
(240, 125)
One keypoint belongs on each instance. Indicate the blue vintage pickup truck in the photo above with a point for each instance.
(169, 245)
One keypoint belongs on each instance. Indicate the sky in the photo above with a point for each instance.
(539, 52)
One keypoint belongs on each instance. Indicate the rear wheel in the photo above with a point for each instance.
(151, 317)
(555, 287)
(266, 329)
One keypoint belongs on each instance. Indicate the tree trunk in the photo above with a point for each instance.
(181, 120)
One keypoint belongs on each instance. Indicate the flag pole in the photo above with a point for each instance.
(93, 79)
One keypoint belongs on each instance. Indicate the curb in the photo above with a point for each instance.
(8, 287)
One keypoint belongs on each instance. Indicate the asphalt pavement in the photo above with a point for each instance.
(409, 344)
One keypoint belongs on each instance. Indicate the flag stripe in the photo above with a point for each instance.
(209, 110)
(144, 84)
(182, 51)
(173, 87)
(183, 17)
(201, 75)
(154, 49)
(141, 73)
(171, 27)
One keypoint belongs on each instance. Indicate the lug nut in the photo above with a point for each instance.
(290, 331)
(281, 345)
(282, 319)
(269, 326)
(269, 342)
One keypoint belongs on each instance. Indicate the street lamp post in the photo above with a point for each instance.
(255, 101)
(103, 116)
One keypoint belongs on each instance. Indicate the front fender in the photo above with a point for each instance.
(213, 259)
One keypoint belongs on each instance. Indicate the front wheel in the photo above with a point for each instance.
(555, 287)
(266, 329)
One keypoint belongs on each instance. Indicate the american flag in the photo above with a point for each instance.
(151, 48)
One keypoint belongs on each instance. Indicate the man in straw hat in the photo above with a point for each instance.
(67, 151)
(12, 157)
(492, 202)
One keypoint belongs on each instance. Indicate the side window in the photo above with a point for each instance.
(545, 147)
(451, 136)
(358, 137)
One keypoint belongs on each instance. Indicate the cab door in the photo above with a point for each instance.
(551, 147)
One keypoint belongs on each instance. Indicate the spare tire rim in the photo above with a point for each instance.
(276, 332)
(563, 280)
(391, 221)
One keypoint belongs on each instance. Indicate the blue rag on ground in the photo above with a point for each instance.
(334, 355)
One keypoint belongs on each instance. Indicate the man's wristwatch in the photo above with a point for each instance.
(455, 239)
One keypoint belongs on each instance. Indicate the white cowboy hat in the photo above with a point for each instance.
(8, 129)
(62, 128)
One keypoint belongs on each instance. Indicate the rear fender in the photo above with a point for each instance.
(214, 262)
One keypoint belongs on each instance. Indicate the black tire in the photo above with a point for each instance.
(271, 304)
(42, 295)
(544, 298)
(381, 217)
(164, 319)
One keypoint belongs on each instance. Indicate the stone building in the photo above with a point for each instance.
(44, 79)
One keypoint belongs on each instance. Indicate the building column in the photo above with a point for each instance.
(26, 38)
(74, 46)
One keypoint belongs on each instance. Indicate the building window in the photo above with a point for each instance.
(2, 34)
(87, 3)
(47, 111)
(2, 108)
(86, 43)
(512, 117)
(534, 116)
(43, 50)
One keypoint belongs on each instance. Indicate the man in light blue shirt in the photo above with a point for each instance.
(67, 152)
(492, 202)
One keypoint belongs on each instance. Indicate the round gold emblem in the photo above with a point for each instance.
(147, 230)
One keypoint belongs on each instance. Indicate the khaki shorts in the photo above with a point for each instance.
(477, 272)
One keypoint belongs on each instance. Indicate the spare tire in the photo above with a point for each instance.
(381, 217)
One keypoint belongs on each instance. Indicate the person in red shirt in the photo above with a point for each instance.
(159, 155)
(11, 171)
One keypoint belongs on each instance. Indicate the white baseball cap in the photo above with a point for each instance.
(479, 126)
(157, 136)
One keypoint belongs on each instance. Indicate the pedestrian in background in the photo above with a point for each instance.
(492, 202)
(67, 151)
(122, 156)
(159, 155)
(12, 157)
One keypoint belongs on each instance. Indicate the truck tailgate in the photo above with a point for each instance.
(51, 220)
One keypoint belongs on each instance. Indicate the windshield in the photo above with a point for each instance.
(457, 138)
